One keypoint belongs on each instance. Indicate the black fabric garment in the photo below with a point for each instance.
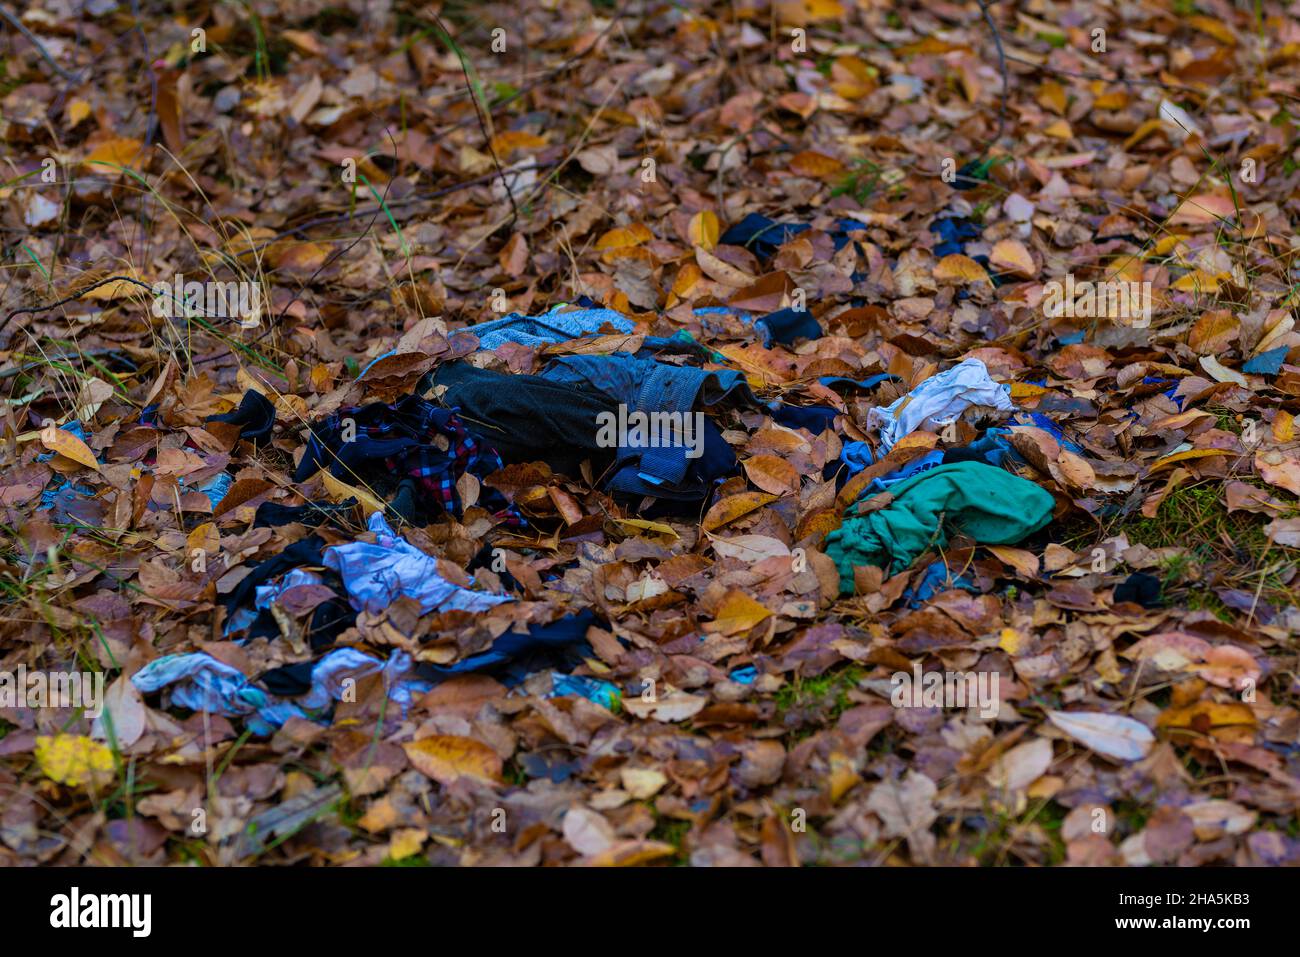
(484, 559)
(255, 416)
(556, 644)
(1140, 588)
(305, 551)
(552, 637)
(328, 619)
(288, 681)
(527, 418)
(274, 515)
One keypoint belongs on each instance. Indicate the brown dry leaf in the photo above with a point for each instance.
(243, 490)
(772, 474)
(720, 271)
(1278, 469)
(676, 706)
(814, 165)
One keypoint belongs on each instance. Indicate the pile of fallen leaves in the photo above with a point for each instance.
(390, 175)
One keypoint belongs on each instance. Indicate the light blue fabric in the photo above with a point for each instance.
(374, 575)
(538, 331)
(938, 401)
(200, 682)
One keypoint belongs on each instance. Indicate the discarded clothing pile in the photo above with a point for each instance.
(364, 576)
(411, 451)
(987, 504)
(202, 683)
(638, 419)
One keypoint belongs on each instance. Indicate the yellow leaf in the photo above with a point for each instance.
(1214, 28)
(732, 507)
(823, 9)
(1166, 243)
(958, 268)
(843, 776)
(448, 757)
(1051, 95)
(1011, 641)
(633, 235)
(704, 229)
(1283, 426)
(114, 290)
(1024, 390)
(1211, 714)
(512, 140)
(74, 759)
(340, 491)
(1142, 132)
(737, 613)
(1012, 256)
(633, 853)
(406, 843)
(78, 110)
(205, 537)
(644, 525)
(69, 446)
(1221, 373)
(1197, 281)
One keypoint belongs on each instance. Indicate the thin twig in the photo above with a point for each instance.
(1002, 68)
(40, 47)
(483, 122)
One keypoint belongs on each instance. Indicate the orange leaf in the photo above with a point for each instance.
(814, 165)
(958, 268)
(447, 757)
(69, 446)
(118, 151)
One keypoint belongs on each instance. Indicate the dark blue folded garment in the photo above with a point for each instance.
(787, 326)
